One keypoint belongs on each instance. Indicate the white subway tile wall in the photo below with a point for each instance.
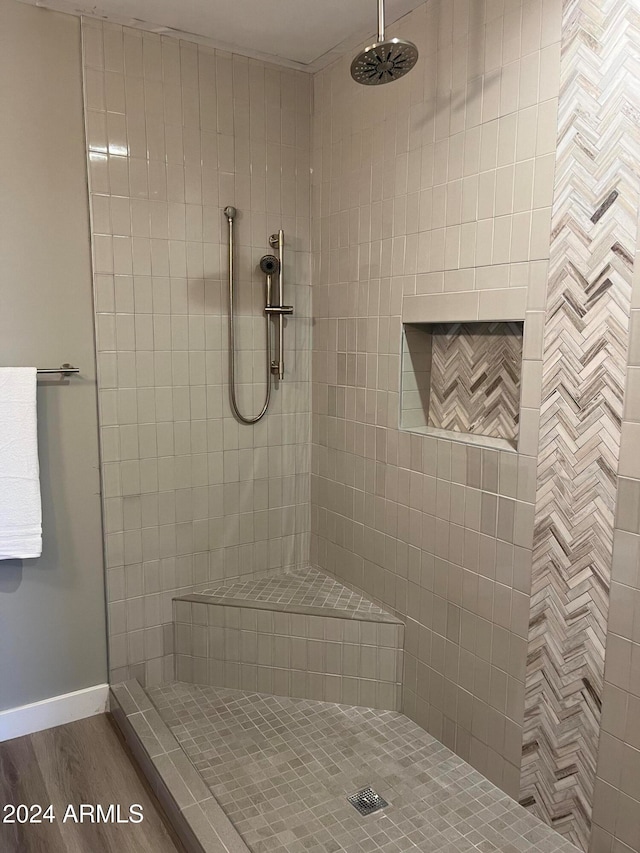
(439, 184)
(176, 131)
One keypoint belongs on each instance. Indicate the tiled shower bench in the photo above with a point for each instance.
(300, 634)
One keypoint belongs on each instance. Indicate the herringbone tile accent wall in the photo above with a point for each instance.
(594, 234)
(475, 378)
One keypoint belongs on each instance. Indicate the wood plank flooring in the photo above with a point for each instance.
(82, 762)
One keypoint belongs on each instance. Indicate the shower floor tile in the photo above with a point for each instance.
(282, 769)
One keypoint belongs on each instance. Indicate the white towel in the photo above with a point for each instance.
(20, 506)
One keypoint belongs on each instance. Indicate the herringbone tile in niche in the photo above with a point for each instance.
(475, 378)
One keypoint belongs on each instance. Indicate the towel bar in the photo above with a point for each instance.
(64, 370)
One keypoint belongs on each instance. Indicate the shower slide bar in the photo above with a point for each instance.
(277, 365)
(270, 266)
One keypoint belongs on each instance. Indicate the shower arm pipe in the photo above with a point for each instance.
(380, 20)
(230, 214)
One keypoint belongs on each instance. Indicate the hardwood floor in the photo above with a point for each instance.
(83, 762)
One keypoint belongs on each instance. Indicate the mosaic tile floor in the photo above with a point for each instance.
(282, 768)
(303, 587)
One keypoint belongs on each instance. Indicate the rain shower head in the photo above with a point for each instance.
(385, 60)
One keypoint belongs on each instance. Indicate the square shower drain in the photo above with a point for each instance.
(367, 801)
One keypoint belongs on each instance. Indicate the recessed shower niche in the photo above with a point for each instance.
(463, 378)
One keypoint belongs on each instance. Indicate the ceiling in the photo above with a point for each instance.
(304, 34)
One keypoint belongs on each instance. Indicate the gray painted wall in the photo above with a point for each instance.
(52, 623)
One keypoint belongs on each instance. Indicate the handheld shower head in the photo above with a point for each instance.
(230, 212)
(269, 264)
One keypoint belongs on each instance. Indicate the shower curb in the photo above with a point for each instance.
(190, 807)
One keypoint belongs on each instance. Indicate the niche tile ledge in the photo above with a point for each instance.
(486, 441)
